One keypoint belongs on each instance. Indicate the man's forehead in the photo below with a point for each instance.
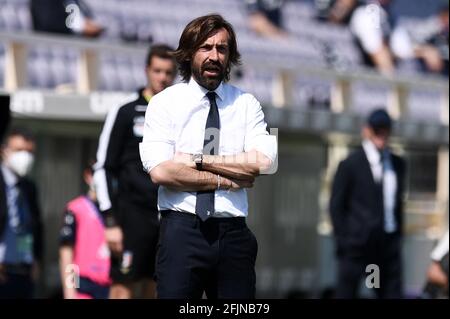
(220, 36)
(18, 141)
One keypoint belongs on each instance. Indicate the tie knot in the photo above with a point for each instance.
(211, 96)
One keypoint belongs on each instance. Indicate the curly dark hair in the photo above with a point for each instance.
(195, 34)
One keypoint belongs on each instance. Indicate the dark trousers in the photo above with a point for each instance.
(93, 289)
(16, 283)
(216, 257)
(384, 252)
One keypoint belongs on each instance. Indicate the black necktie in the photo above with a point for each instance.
(204, 207)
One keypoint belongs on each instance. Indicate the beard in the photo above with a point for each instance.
(209, 82)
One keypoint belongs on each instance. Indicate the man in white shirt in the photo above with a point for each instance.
(204, 142)
(366, 210)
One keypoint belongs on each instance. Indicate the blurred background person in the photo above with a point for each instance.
(83, 249)
(437, 275)
(425, 41)
(65, 17)
(20, 221)
(127, 196)
(366, 212)
(265, 17)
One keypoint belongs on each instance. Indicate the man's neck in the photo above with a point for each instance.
(147, 93)
(201, 85)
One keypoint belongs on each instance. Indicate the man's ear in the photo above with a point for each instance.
(3, 151)
(366, 132)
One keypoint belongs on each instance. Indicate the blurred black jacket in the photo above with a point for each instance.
(356, 204)
(28, 189)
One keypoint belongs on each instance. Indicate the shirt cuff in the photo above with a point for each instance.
(265, 144)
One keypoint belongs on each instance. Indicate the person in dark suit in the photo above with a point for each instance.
(366, 212)
(20, 225)
(5, 115)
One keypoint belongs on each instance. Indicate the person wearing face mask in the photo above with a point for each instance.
(20, 224)
(366, 212)
(84, 254)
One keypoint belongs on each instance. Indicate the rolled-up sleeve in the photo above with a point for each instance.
(256, 136)
(157, 145)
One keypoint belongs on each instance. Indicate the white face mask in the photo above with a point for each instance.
(20, 162)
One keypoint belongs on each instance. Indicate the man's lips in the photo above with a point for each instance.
(212, 69)
(212, 72)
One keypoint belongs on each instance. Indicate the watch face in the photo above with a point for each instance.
(198, 158)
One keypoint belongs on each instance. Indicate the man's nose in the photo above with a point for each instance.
(214, 55)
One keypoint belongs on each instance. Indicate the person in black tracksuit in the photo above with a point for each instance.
(126, 194)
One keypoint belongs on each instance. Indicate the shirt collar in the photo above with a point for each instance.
(200, 91)
(373, 155)
(10, 178)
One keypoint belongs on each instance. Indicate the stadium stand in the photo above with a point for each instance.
(315, 43)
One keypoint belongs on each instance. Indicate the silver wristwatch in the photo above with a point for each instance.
(198, 160)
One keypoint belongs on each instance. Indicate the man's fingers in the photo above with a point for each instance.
(248, 185)
(235, 185)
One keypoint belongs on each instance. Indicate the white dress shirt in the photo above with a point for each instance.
(389, 179)
(175, 122)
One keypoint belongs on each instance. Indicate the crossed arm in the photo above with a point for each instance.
(218, 172)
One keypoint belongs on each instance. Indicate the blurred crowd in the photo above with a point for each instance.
(383, 43)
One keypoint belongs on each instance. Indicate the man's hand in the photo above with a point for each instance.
(92, 29)
(238, 184)
(436, 275)
(432, 58)
(114, 239)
